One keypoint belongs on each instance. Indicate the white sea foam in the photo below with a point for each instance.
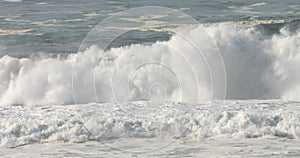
(13, 0)
(257, 67)
(102, 122)
(11, 32)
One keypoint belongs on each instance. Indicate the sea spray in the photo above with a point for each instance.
(257, 67)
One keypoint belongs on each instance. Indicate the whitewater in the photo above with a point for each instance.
(257, 67)
(219, 129)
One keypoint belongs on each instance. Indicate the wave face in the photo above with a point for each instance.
(257, 67)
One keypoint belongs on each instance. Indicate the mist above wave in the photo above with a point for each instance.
(257, 67)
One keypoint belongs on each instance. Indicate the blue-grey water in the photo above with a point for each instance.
(59, 26)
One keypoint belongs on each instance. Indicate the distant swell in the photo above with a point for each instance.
(257, 67)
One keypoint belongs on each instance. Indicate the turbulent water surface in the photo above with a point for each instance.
(150, 94)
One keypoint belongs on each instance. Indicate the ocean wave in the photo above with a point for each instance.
(257, 67)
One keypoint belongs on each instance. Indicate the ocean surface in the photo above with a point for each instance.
(149, 78)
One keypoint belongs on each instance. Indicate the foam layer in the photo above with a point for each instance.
(103, 122)
(13, 0)
(257, 67)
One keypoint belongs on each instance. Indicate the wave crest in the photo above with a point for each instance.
(257, 67)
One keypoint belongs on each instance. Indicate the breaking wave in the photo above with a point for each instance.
(257, 67)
